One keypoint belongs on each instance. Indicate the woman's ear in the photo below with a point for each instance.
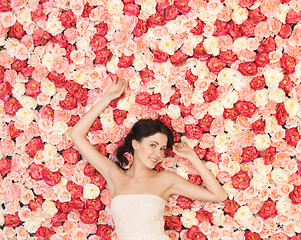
(134, 144)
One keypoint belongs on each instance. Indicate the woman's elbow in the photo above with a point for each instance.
(222, 197)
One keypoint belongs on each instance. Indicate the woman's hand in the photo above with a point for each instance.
(183, 150)
(116, 89)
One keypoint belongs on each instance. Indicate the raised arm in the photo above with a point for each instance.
(79, 131)
(213, 192)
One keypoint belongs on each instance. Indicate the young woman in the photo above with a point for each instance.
(139, 192)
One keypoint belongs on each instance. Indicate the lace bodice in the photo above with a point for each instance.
(139, 216)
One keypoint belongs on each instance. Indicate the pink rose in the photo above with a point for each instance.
(257, 15)
(5, 166)
(104, 231)
(285, 31)
(252, 235)
(193, 131)
(235, 30)
(200, 53)
(5, 91)
(178, 57)
(281, 113)
(228, 56)
(293, 17)
(58, 79)
(292, 136)
(119, 116)
(247, 68)
(81, 96)
(68, 103)
(71, 156)
(95, 204)
(102, 29)
(58, 219)
(210, 94)
(68, 19)
(98, 42)
(199, 28)
(171, 12)
(267, 45)
(11, 106)
(38, 14)
(258, 83)
(140, 28)
(249, 154)
(268, 210)
(231, 207)
(89, 216)
(269, 155)
(204, 216)
(75, 190)
(215, 65)
(51, 178)
(40, 37)
(241, 180)
(262, 59)
(98, 180)
(286, 84)
(195, 233)
(246, 3)
(156, 19)
(87, 10)
(32, 88)
(5, 6)
(16, 31)
(125, 61)
(131, 9)
(245, 108)
(182, 6)
(295, 195)
(103, 56)
(221, 28)
(12, 220)
(184, 202)
(288, 63)
(173, 222)
(44, 233)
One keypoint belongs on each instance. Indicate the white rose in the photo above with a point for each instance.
(244, 216)
(90, 191)
(49, 208)
(231, 127)
(173, 26)
(221, 143)
(25, 115)
(292, 107)
(188, 218)
(218, 217)
(48, 87)
(201, 70)
(230, 99)
(239, 81)
(139, 62)
(167, 45)
(272, 77)
(260, 167)
(107, 122)
(32, 224)
(126, 102)
(239, 15)
(271, 124)
(11, 45)
(225, 76)
(54, 26)
(239, 44)
(112, 65)
(134, 83)
(276, 95)
(173, 111)
(205, 16)
(233, 4)
(60, 127)
(18, 90)
(83, 43)
(283, 10)
(230, 190)
(197, 97)
(283, 205)
(233, 167)
(47, 60)
(24, 16)
(149, 6)
(216, 109)
(28, 102)
(262, 141)
(279, 176)
(194, 40)
(259, 181)
(211, 45)
(115, 6)
(261, 97)
(50, 152)
(78, 76)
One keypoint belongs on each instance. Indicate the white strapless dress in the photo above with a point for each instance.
(139, 217)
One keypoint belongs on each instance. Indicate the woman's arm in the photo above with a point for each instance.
(213, 192)
(79, 131)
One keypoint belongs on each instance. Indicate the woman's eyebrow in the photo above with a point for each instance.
(158, 143)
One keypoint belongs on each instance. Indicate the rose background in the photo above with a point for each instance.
(223, 75)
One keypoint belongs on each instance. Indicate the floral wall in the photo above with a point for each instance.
(224, 75)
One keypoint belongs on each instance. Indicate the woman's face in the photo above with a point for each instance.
(150, 150)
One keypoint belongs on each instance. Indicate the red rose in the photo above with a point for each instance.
(267, 45)
(103, 56)
(38, 14)
(12, 220)
(131, 9)
(95, 204)
(98, 43)
(173, 222)
(252, 235)
(221, 28)
(61, 40)
(5, 166)
(182, 6)
(5, 91)
(199, 28)
(281, 113)
(119, 116)
(293, 17)
(71, 156)
(258, 83)
(269, 155)
(176, 97)
(63, 206)
(286, 84)
(102, 29)
(11, 106)
(96, 125)
(36, 171)
(81, 96)
(69, 50)
(201, 152)
(178, 57)
(285, 31)
(292, 136)
(16, 31)
(73, 120)
(245, 108)
(193, 131)
(210, 94)
(5, 6)
(249, 154)
(165, 119)
(40, 37)
(246, 3)
(194, 178)
(98, 180)
(231, 207)
(89, 170)
(68, 103)
(2, 70)
(215, 65)
(155, 101)
(171, 13)
(295, 195)
(161, 6)
(262, 59)
(241, 180)
(143, 98)
(44, 233)
(195, 233)
(51, 178)
(34, 145)
(18, 65)
(228, 56)
(298, 236)
(76, 205)
(104, 231)
(32, 88)
(288, 63)
(101, 147)
(27, 71)
(140, 28)
(12, 130)
(46, 112)
(268, 210)
(204, 216)
(160, 56)
(257, 15)
(58, 79)
(35, 204)
(258, 126)
(58, 219)
(200, 53)
(190, 77)
(176, 138)
(71, 87)
(235, 30)
(125, 61)
(247, 68)
(146, 75)
(89, 216)
(87, 10)
(68, 19)
(185, 111)
(184, 202)
(156, 19)
(230, 113)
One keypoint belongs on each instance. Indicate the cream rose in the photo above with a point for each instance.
(32, 224)
(273, 77)
(47, 60)
(173, 26)
(28, 102)
(218, 217)
(90, 191)
(149, 6)
(283, 205)
(292, 107)
(231, 191)
(216, 109)
(115, 6)
(261, 97)
(276, 95)
(50, 152)
(112, 65)
(48, 87)
(60, 127)
(283, 10)
(201, 70)
(244, 216)
(261, 167)
(25, 115)
(231, 128)
(167, 45)
(54, 26)
(280, 176)
(239, 44)
(188, 218)
(239, 15)
(211, 45)
(49, 208)
(259, 181)
(221, 143)
(230, 99)
(262, 141)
